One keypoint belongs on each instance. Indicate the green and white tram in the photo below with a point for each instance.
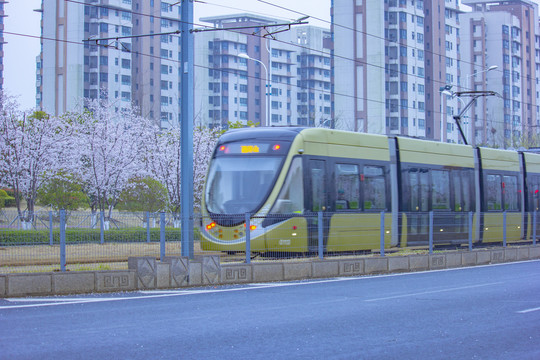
(283, 177)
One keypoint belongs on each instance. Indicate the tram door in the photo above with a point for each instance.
(317, 200)
(418, 218)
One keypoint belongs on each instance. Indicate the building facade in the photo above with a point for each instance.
(502, 36)
(390, 60)
(143, 71)
(250, 74)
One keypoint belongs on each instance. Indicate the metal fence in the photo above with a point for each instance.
(70, 241)
(59, 241)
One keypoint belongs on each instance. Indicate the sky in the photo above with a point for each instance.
(21, 50)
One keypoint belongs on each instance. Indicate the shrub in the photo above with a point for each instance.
(79, 236)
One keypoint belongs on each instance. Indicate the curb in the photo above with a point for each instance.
(146, 273)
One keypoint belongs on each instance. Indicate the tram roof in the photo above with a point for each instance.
(282, 133)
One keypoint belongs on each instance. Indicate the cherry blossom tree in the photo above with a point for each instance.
(164, 163)
(204, 142)
(109, 151)
(32, 149)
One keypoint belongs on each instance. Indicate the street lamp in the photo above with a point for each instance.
(492, 67)
(267, 86)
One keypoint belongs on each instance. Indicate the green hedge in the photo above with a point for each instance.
(73, 236)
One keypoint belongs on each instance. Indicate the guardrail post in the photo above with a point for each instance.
(50, 228)
(431, 232)
(534, 228)
(504, 228)
(62, 240)
(147, 226)
(382, 233)
(320, 234)
(470, 229)
(101, 227)
(161, 236)
(248, 239)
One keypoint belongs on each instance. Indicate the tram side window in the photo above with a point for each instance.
(318, 185)
(347, 186)
(493, 193)
(291, 196)
(534, 193)
(419, 189)
(466, 181)
(462, 189)
(458, 191)
(440, 190)
(374, 188)
(510, 193)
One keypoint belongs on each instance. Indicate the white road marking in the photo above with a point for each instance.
(528, 310)
(433, 292)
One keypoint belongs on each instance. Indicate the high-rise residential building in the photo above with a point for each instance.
(2, 42)
(358, 65)
(501, 42)
(390, 60)
(314, 105)
(442, 62)
(287, 75)
(140, 70)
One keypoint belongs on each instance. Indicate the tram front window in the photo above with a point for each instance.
(238, 184)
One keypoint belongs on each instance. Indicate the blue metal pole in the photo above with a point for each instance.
(147, 226)
(534, 228)
(248, 238)
(504, 228)
(320, 234)
(382, 233)
(162, 236)
(62, 240)
(101, 228)
(186, 129)
(50, 228)
(470, 229)
(431, 232)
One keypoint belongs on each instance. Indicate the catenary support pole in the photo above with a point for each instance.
(186, 128)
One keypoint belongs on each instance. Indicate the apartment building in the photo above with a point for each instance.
(314, 106)
(501, 41)
(139, 70)
(390, 60)
(250, 74)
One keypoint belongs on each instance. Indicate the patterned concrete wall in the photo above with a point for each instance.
(174, 272)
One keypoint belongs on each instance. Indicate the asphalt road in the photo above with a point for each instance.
(489, 312)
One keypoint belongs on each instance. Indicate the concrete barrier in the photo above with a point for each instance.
(398, 263)
(173, 272)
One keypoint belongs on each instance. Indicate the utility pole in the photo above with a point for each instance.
(186, 129)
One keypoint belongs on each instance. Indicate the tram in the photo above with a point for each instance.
(284, 177)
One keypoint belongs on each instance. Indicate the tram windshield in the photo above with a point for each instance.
(240, 184)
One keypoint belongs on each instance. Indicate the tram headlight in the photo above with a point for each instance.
(251, 227)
